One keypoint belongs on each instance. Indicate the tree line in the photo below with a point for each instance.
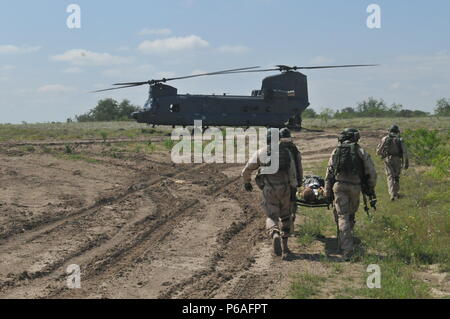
(377, 108)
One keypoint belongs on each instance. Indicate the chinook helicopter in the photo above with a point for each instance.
(279, 103)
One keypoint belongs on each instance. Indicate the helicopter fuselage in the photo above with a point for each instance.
(281, 98)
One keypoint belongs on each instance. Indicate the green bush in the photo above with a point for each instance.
(428, 146)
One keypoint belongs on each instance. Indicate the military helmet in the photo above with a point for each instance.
(394, 129)
(285, 133)
(349, 134)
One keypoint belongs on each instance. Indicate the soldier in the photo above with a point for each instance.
(277, 188)
(393, 151)
(296, 177)
(350, 171)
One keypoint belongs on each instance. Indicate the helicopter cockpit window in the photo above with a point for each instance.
(174, 108)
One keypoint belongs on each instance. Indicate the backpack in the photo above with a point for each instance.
(284, 162)
(347, 160)
(392, 146)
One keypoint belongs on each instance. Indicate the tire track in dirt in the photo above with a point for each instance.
(47, 230)
(48, 224)
(133, 257)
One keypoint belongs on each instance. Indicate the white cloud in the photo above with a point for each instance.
(3, 78)
(74, 69)
(173, 44)
(235, 49)
(13, 49)
(85, 57)
(321, 60)
(55, 88)
(161, 32)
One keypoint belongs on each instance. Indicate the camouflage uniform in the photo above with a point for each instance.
(277, 192)
(395, 156)
(347, 189)
(295, 178)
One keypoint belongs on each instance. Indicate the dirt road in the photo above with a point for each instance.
(140, 227)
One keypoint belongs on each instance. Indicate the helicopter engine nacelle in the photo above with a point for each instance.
(159, 90)
(289, 84)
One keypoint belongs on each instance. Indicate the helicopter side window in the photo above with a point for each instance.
(174, 108)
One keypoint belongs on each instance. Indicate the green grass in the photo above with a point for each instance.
(397, 282)
(306, 286)
(67, 131)
(313, 227)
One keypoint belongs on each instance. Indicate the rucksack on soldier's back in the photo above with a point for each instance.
(348, 160)
(284, 159)
(392, 146)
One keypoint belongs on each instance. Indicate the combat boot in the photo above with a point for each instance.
(347, 255)
(286, 253)
(276, 243)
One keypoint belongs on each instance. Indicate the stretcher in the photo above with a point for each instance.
(302, 202)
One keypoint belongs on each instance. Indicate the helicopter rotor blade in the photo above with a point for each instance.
(213, 73)
(188, 76)
(332, 66)
(289, 68)
(133, 83)
(117, 88)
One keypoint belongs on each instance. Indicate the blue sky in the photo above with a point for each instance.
(43, 78)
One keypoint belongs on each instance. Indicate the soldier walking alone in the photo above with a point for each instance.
(278, 187)
(350, 171)
(393, 151)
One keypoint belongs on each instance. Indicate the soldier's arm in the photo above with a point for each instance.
(381, 146)
(252, 165)
(300, 168)
(329, 176)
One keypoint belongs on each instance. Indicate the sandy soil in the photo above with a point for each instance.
(142, 227)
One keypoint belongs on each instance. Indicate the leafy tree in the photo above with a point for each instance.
(346, 113)
(326, 114)
(108, 110)
(442, 107)
(411, 113)
(372, 107)
(309, 114)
